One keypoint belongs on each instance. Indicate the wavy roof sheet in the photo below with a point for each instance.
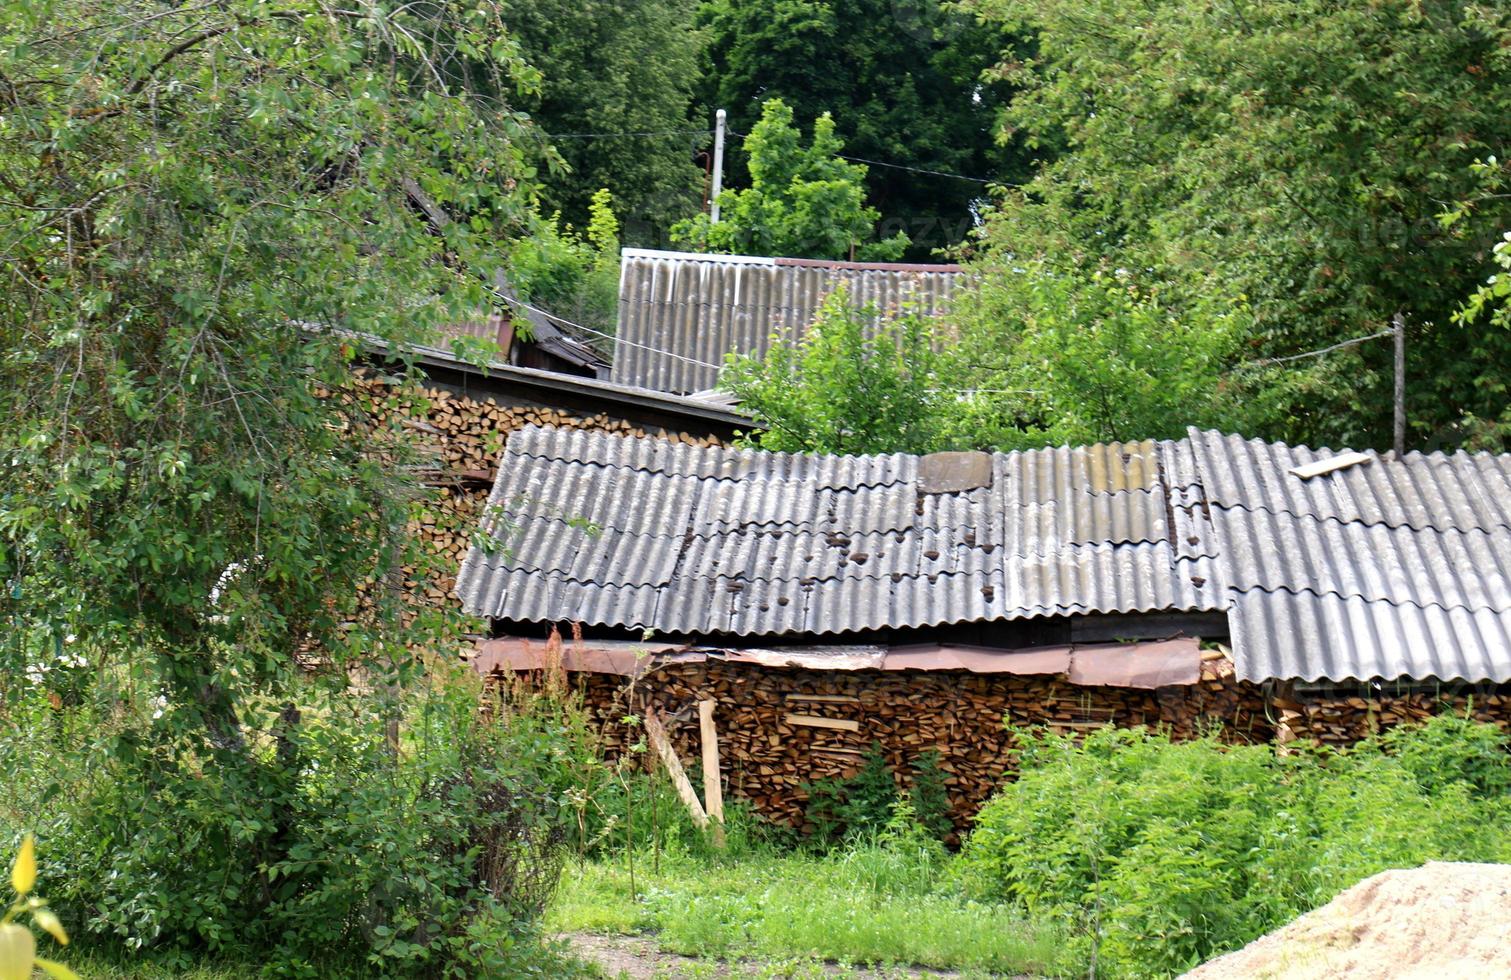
(1382, 569)
(681, 312)
(648, 534)
(1387, 568)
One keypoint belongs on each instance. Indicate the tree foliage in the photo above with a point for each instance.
(196, 200)
(1295, 152)
(573, 274)
(903, 80)
(844, 386)
(802, 202)
(616, 69)
(1068, 356)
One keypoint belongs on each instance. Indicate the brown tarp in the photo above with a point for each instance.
(1162, 663)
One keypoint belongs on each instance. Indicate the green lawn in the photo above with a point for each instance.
(863, 905)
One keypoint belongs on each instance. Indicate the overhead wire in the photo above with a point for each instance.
(893, 166)
(1318, 353)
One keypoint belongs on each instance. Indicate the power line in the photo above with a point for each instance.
(895, 166)
(916, 170)
(653, 132)
(1318, 353)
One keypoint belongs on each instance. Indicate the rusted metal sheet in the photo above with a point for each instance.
(1164, 663)
(812, 658)
(680, 313)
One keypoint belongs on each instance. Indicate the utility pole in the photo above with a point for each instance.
(713, 198)
(1399, 323)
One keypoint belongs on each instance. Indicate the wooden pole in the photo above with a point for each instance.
(655, 732)
(1399, 323)
(713, 790)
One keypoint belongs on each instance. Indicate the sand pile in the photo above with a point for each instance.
(1436, 922)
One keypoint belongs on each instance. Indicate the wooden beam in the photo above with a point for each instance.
(814, 721)
(713, 790)
(1328, 464)
(655, 732)
(833, 698)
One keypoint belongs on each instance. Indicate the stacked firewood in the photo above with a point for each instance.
(1338, 720)
(457, 440)
(781, 728)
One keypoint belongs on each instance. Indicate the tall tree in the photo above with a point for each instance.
(1294, 152)
(903, 80)
(617, 83)
(803, 201)
(196, 202)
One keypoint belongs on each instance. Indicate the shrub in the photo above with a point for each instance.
(1158, 855)
(326, 850)
(572, 274)
(854, 806)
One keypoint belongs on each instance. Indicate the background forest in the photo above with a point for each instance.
(1169, 207)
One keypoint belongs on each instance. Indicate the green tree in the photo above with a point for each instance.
(201, 205)
(1488, 313)
(623, 69)
(573, 275)
(1055, 356)
(844, 386)
(1295, 152)
(803, 201)
(904, 81)
(197, 202)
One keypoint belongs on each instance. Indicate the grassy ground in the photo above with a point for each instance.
(867, 904)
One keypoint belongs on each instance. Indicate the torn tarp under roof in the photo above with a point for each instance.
(1147, 665)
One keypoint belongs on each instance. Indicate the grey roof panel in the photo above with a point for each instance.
(1312, 638)
(1458, 491)
(680, 313)
(1469, 569)
(828, 544)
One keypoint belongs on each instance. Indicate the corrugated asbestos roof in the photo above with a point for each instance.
(681, 312)
(1385, 569)
(1382, 569)
(649, 534)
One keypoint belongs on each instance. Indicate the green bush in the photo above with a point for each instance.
(1157, 855)
(322, 850)
(572, 274)
(854, 806)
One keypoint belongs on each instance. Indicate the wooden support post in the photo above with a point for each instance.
(656, 733)
(713, 790)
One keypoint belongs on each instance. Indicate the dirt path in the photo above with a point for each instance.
(639, 958)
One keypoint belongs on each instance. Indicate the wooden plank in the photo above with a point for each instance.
(713, 790)
(1328, 465)
(814, 721)
(829, 698)
(655, 732)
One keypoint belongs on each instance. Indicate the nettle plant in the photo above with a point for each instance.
(18, 946)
